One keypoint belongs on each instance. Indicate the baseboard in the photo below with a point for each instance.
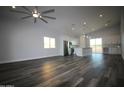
(20, 60)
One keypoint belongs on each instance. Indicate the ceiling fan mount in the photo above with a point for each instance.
(35, 14)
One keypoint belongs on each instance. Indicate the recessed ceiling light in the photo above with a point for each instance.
(13, 7)
(92, 29)
(84, 23)
(73, 27)
(106, 24)
(40, 16)
(100, 15)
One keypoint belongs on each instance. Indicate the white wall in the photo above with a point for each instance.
(24, 41)
(122, 32)
(82, 41)
(109, 35)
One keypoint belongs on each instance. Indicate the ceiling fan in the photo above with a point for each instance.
(35, 13)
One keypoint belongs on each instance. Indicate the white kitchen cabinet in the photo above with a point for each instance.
(114, 50)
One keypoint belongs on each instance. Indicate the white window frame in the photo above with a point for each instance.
(49, 43)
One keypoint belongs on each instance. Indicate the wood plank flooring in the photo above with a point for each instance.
(97, 70)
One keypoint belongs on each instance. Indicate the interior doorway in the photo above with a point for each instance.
(68, 48)
(65, 48)
(96, 45)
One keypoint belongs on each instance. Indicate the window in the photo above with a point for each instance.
(92, 45)
(96, 45)
(46, 42)
(52, 42)
(49, 42)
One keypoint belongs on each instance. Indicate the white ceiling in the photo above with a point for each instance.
(68, 15)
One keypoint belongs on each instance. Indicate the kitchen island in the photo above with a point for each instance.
(83, 51)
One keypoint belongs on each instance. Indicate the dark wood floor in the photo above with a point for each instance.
(72, 71)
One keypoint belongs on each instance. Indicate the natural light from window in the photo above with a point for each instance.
(96, 45)
(49, 42)
(52, 42)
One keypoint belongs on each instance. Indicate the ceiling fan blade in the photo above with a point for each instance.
(43, 20)
(49, 17)
(35, 20)
(48, 11)
(23, 12)
(27, 9)
(26, 17)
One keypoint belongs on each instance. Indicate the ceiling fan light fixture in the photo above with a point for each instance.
(36, 15)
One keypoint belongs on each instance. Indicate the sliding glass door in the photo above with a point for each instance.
(96, 45)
